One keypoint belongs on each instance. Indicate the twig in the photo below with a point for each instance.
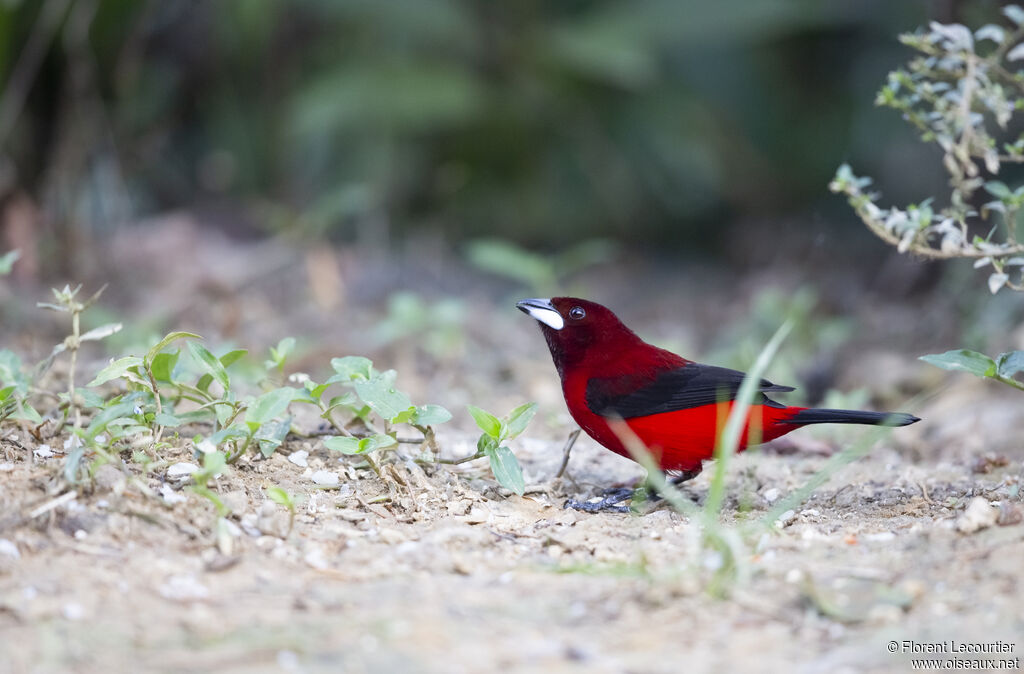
(566, 451)
(55, 503)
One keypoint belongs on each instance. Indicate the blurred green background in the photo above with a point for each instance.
(657, 123)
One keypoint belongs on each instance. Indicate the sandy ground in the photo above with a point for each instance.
(437, 569)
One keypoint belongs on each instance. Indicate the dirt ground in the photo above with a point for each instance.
(437, 569)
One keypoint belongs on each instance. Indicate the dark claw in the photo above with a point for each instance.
(612, 497)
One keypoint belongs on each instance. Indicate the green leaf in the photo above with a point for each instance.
(162, 344)
(963, 359)
(100, 421)
(488, 423)
(210, 363)
(486, 443)
(269, 406)
(272, 434)
(316, 391)
(345, 445)
(90, 398)
(280, 496)
(1010, 363)
(99, 333)
(380, 394)
(284, 349)
(404, 417)
(519, 419)
(352, 367)
(5, 392)
(116, 369)
(204, 383)
(165, 419)
(163, 365)
(348, 445)
(345, 400)
(213, 463)
(72, 462)
(430, 415)
(218, 438)
(1014, 13)
(998, 189)
(7, 261)
(231, 357)
(506, 469)
(27, 413)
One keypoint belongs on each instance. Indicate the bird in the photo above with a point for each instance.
(673, 405)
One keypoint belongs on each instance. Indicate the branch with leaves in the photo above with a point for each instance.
(961, 92)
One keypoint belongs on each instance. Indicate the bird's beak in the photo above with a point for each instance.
(543, 311)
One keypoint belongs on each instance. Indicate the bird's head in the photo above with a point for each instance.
(576, 329)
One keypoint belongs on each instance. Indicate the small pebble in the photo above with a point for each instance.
(326, 478)
(170, 496)
(181, 469)
(979, 515)
(299, 458)
(72, 611)
(9, 549)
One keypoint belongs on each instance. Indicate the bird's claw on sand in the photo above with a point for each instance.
(610, 502)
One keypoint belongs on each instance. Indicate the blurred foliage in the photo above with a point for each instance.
(544, 122)
(814, 337)
(542, 275)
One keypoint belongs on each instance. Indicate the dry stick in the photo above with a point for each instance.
(566, 451)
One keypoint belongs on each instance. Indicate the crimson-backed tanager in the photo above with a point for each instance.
(674, 406)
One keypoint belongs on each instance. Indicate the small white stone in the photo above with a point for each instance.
(772, 495)
(43, 452)
(785, 519)
(794, 576)
(326, 478)
(9, 549)
(979, 515)
(170, 496)
(181, 469)
(299, 458)
(72, 611)
(184, 587)
(315, 559)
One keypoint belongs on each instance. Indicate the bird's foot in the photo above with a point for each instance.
(610, 502)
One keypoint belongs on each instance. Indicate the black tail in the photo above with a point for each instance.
(821, 416)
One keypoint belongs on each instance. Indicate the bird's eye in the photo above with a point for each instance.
(576, 313)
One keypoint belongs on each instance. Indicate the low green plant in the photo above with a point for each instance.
(7, 261)
(281, 497)
(962, 92)
(66, 301)
(15, 385)
(134, 400)
(491, 444)
(1004, 368)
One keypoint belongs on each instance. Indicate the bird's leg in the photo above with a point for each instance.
(610, 502)
(685, 476)
(675, 481)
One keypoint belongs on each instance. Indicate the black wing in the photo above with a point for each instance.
(690, 386)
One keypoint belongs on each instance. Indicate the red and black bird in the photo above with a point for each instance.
(674, 406)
